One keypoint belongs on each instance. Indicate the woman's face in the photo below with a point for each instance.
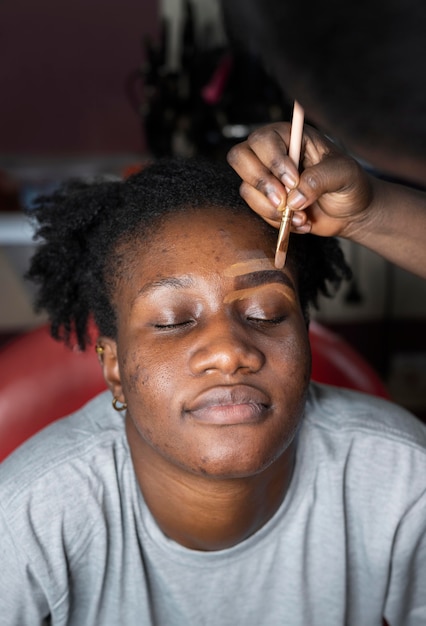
(212, 347)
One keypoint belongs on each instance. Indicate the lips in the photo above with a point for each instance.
(239, 404)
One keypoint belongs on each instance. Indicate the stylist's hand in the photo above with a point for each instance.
(330, 197)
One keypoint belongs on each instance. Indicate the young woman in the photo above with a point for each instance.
(219, 486)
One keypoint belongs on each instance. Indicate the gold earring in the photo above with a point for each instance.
(100, 352)
(117, 406)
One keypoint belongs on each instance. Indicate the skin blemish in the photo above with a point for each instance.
(134, 379)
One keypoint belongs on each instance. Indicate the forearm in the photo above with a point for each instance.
(395, 226)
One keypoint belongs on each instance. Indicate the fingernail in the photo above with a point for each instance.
(288, 180)
(274, 198)
(297, 219)
(296, 200)
(306, 228)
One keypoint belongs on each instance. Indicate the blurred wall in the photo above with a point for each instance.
(63, 70)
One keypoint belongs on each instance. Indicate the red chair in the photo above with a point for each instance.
(42, 380)
(335, 362)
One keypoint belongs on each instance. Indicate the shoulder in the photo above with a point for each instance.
(56, 488)
(57, 455)
(368, 451)
(348, 412)
(369, 443)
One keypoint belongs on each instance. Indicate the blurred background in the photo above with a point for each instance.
(91, 87)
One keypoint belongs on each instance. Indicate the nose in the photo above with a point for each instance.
(227, 348)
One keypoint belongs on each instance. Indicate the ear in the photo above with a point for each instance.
(110, 368)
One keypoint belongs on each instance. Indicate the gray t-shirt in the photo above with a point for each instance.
(346, 547)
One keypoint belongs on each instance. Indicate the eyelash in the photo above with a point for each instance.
(275, 321)
(172, 326)
(270, 322)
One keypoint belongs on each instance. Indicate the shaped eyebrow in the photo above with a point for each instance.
(247, 285)
(255, 279)
(242, 294)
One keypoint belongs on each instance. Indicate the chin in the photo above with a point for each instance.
(237, 463)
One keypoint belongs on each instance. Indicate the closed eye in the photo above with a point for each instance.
(273, 321)
(174, 325)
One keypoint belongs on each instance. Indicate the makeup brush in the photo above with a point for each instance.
(296, 133)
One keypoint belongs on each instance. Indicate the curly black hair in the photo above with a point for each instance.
(83, 226)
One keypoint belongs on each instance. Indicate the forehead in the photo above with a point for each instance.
(209, 248)
(205, 242)
(209, 236)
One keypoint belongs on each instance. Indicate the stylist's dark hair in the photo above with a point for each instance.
(357, 63)
(88, 233)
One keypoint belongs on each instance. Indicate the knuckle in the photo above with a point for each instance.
(244, 190)
(278, 166)
(255, 136)
(233, 155)
(263, 184)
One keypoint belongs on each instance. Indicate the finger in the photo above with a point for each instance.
(333, 174)
(303, 230)
(315, 147)
(324, 225)
(298, 219)
(261, 205)
(300, 222)
(270, 145)
(254, 173)
(262, 160)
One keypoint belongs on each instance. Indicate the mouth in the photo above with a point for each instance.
(226, 406)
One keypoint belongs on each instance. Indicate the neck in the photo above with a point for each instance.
(205, 513)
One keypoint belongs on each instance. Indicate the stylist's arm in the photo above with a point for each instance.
(332, 196)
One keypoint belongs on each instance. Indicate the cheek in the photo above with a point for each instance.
(295, 355)
(137, 377)
(148, 380)
(300, 356)
(292, 371)
(292, 381)
(146, 387)
(137, 370)
(134, 370)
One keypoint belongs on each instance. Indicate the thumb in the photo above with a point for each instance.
(335, 173)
